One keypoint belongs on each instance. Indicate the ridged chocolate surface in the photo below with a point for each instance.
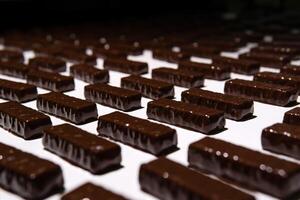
(82, 148)
(252, 169)
(69, 108)
(9, 55)
(263, 92)
(291, 69)
(210, 71)
(178, 77)
(149, 88)
(139, 133)
(115, 97)
(14, 69)
(125, 66)
(190, 116)
(49, 64)
(169, 180)
(234, 107)
(169, 55)
(27, 175)
(292, 116)
(15, 91)
(89, 74)
(50, 81)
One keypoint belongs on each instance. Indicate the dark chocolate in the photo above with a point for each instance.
(169, 55)
(291, 69)
(49, 64)
(276, 50)
(292, 116)
(109, 53)
(14, 69)
(13, 56)
(125, 66)
(89, 74)
(201, 51)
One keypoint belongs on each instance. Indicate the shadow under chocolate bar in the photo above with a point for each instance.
(89, 74)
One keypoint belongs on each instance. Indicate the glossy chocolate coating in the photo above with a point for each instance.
(109, 53)
(69, 108)
(190, 116)
(125, 66)
(90, 191)
(276, 50)
(240, 66)
(15, 91)
(208, 70)
(262, 92)
(13, 56)
(115, 97)
(149, 88)
(138, 133)
(178, 77)
(291, 69)
(282, 138)
(168, 180)
(89, 73)
(77, 57)
(169, 55)
(292, 116)
(249, 168)
(50, 81)
(49, 64)
(82, 148)
(27, 175)
(234, 107)
(14, 69)
(201, 51)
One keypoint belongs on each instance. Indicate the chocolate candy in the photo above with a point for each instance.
(252, 169)
(109, 53)
(149, 88)
(120, 98)
(190, 116)
(15, 91)
(262, 92)
(169, 55)
(178, 77)
(125, 66)
(166, 179)
(292, 116)
(82, 148)
(139, 133)
(77, 57)
(267, 59)
(201, 51)
(89, 74)
(279, 79)
(208, 70)
(89, 191)
(50, 81)
(14, 69)
(13, 56)
(27, 175)
(69, 108)
(282, 138)
(276, 50)
(234, 107)
(291, 69)
(49, 64)
(240, 66)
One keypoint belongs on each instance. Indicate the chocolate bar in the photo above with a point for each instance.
(109, 53)
(15, 91)
(198, 118)
(13, 56)
(282, 138)
(149, 88)
(210, 71)
(242, 166)
(82, 148)
(278, 78)
(201, 51)
(91, 192)
(14, 69)
(276, 50)
(139, 133)
(69, 108)
(78, 57)
(115, 97)
(125, 66)
(236, 108)
(169, 55)
(240, 66)
(291, 69)
(28, 176)
(178, 77)
(89, 73)
(50, 81)
(166, 179)
(267, 59)
(292, 116)
(262, 92)
(49, 64)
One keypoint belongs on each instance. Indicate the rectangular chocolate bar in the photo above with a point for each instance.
(109, 53)
(292, 116)
(262, 92)
(246, 167)
(28, 176)
(13, 56)
(291, 69)
(210, 71)
(91, 192)
(276, 50)
(236, 108)
(169, 55)
(198, 118)
(125, 66)
(50, 81)
(69, 108)
(82, 148)
(115, 97)
(49, 64)
(282, 138)
(89, 74)
(149, 88)
(15, 91)
(14, 69)
(139, 133)
(178, 77)
(201, 51)
(166, 179)
(240, 66)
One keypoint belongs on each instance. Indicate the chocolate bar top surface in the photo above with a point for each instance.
(147, 127)
(294, 112)
(179, 72)
(288, 130)
(146, 81)
(266, 56)
(112, 90)
(46, 61)
(291, 69)
(51, 76)
(15, 85)
(277, 76)
(203, 65)
(228, 60)
(124, 61)
(87, 68)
